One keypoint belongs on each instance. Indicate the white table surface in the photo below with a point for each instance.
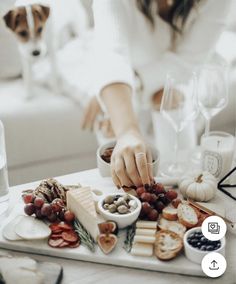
(85, 272)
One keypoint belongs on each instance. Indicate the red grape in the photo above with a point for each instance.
(69, 216)
(140, 191)
(163, 199)
(159, 206)
(171, 194)
(176, 202)
(52, 217)
(146, 208)
(38, 213)
(61, 215)
(46, 209)
(153, 215)
(153, 198)
(38, 202)
(57, 205)
(146, 197)
(29, 209)
(28, 198)
(159, 188)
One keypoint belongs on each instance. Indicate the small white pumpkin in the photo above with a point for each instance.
(199, 186)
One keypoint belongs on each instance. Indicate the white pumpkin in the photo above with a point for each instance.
(199, 186)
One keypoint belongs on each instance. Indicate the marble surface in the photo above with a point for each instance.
(85, 272)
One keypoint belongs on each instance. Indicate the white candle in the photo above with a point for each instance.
(217, 153)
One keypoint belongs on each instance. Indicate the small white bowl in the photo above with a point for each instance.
(122, 220)
(105, 168)
(196, 255)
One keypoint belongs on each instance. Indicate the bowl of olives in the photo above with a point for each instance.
(121, 208)
(196, 245)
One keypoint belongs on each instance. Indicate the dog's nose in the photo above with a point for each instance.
(36, 53)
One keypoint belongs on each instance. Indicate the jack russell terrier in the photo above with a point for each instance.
(28, 24)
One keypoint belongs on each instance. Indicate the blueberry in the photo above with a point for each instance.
(204, 240)
(203, 248)
(209, 248)
(218, 245)
(199, 244)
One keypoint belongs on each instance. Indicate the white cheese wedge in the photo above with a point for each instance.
(80, 202)
(142, 249)
(145, 232)
(144, 239)
(146, 224)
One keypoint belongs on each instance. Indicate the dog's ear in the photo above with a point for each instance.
(46, 11)
(9, 21)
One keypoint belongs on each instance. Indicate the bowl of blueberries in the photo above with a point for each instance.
(196, 246)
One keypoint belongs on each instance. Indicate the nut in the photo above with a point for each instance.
(112, 208)
(133, 204)
(109, 199)
(126, 197)
(122, 209)
(106, 206)
(121, 201)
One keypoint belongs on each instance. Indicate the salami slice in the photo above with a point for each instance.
(55, 243)
(65, 227)
(56, 236)
(70, 236)
(64, 244)
(74, 245)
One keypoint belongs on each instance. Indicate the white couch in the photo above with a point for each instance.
(43, 136)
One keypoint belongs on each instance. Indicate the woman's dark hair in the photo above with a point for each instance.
(177, 15)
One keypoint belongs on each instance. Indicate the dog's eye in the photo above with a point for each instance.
(39, 30)
(23, 33)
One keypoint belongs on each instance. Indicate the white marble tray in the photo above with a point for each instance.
(118, 257)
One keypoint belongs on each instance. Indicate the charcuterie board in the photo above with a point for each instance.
(119, 256)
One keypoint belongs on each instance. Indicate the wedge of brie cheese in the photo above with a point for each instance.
(80, 202)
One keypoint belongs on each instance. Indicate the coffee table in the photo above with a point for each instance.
(85, 272)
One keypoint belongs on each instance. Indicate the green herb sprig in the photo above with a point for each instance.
(85, 238)
(130, 232)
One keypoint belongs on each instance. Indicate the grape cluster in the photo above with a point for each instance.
(54, 211)
(154, 199)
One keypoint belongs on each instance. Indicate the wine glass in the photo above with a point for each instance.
(212, 95)
(179, 106)
(212, 91)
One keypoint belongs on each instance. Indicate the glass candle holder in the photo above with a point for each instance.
(4, 185)
(217, 151)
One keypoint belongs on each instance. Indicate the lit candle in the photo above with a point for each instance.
(217, 153)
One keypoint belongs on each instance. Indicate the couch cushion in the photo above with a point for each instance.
(44, 128)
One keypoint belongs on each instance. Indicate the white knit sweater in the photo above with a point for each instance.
(124, 41)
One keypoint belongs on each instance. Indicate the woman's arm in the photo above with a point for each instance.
(131, 159)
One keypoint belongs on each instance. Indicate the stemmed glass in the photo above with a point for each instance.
(179, 106)
(212, 92)
(212, 95)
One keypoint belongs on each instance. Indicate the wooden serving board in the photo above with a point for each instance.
(118, 257)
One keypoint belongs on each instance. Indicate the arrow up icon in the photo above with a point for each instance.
(214, 265)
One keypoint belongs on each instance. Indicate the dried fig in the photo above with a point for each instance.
(108, 227)
(107, 242)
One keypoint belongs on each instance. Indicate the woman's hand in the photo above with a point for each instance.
(131, 161)
(90, 114)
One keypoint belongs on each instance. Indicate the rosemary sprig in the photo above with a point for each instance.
(85, 238)
(130, 232)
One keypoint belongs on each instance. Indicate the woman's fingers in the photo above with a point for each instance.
(141, 162)
(149, 164)
(90, 114)
(121, 172)
(132, 170)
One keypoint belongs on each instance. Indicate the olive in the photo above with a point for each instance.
(122, 209)
(109, 199)
(112, 208)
